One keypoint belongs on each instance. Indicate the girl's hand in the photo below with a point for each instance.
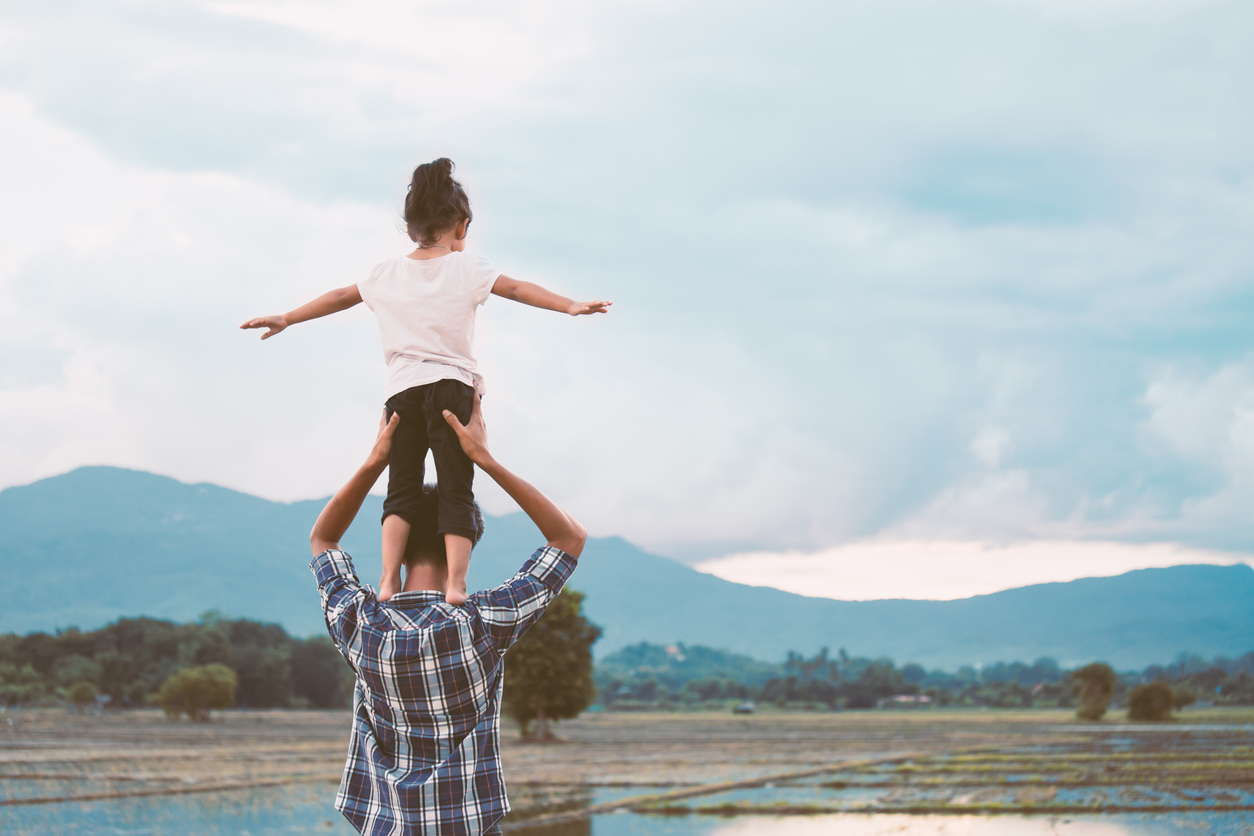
(274, 323)
(581, 308)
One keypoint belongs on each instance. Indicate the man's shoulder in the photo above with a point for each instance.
(330, 562)
(551, 557)
(550, 566)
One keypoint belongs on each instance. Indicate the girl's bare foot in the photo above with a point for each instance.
(389, 587)
(455, 595)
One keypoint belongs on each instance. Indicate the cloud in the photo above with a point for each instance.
(126, 283)
(1200, 433)
(942, 570)
(973, 273)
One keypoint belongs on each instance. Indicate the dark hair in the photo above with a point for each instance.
(426, 543)
(435, 201)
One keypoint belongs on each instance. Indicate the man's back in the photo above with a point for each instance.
(425, 750)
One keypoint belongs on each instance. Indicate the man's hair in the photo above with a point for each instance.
(426, 544)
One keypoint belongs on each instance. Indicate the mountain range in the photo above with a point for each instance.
(86, 547)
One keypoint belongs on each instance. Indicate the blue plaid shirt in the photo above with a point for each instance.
(425, 752)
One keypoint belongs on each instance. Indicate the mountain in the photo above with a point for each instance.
(100, 542)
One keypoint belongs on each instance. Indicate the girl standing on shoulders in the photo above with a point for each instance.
(426, 303)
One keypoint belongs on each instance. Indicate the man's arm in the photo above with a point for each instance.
(334, 301)
(560, 529)
(539, 297)
(339, 513)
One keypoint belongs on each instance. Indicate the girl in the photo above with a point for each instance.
(426, 303)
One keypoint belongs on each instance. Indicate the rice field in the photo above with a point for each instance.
(873, 772)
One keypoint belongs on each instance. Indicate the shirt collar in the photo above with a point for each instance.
(416, 596)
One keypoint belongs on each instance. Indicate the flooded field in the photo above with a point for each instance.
(863, 773)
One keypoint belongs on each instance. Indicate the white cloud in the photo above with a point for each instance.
(990, 444)
(1200, 429)
(943, 570)
(134, 280)
(895, 270)
(1205, 419)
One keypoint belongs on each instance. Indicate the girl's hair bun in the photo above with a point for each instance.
(435, 202)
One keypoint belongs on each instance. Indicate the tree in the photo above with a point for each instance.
(81, 694)
(320, 676)
(74, 668)
(913, 673)
(1094, 684)
(1151, 702)
(21, 685)
(548, 672)
(196, 691)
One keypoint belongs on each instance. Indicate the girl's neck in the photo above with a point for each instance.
(449, 241)
(430, 251)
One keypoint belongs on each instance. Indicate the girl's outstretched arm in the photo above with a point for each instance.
(538, 297)
(340, 299)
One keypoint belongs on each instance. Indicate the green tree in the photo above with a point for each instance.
(320, 676)
(1151, 702)
(548, 672)
(196, 691)
(81, 694)
(1094, 684)
(21, 685)
(74, 668)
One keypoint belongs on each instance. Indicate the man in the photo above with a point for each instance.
(425, 751)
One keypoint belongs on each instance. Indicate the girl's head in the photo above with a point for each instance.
(436, 203)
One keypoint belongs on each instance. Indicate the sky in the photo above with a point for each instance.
(911, 299)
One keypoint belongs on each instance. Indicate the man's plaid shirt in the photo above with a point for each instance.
(425, 751)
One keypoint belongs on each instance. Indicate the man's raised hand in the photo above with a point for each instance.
(473, 436)
(274, 323)
(382, 451)
(582, 308)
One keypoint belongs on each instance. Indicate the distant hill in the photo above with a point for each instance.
(99, 542)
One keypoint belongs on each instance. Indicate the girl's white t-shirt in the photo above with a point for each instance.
(426, 312)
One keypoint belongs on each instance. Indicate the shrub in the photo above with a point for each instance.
(81, 693)
(1094, 684)
(1152, 702)
(196, 691)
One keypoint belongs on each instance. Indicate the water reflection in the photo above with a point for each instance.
(291, 811)
(899, 825)
(845, 824)
(307, 810)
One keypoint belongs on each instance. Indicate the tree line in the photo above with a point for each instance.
(216, 662)
(649, 676)
(125, 664)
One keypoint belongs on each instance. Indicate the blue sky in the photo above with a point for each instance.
(891, 272)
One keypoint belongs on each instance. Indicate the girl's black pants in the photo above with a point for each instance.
(423, 428)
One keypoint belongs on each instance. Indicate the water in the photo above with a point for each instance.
(306, 809)
(296, 809)
(846, 824)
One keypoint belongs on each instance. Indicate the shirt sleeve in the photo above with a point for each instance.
(507, 611)
(342, 599)
(485, 275)
(366, 286)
